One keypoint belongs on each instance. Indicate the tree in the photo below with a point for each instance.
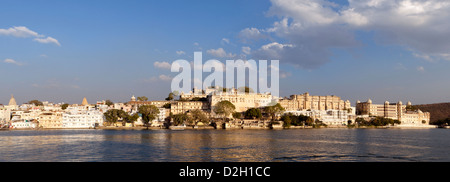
(64, 106)
(198, 116)
(274, 110)
(35, 102)
(179, 119)
(113, 115)
(109, 103)
(224, 108)
(253, 113)
(132, 118)
(237, 115)
(143, 98)
(148, 113)
(170, 97)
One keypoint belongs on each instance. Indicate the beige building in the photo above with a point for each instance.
(396, 111)
(242, 101)
(50, 120)
(309, 102)
(180, 107)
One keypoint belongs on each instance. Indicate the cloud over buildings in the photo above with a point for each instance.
(313, 28)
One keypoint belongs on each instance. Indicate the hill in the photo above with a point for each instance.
(437, 111)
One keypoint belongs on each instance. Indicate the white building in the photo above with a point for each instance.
(329, 117)
(82, 118)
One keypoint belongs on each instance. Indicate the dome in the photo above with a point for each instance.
(369, 101)
(12, 101)
(133, 98)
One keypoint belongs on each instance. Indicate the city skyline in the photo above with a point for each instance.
(383, 50)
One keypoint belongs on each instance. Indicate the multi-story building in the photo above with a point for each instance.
(50, 120)
(82, 118)
(242, 101)
(309, 102)
(181, 107)
(328, 117)
(396, 111)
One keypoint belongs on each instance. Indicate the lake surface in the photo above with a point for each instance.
(295, 145)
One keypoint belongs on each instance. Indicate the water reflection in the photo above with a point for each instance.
(226, 145)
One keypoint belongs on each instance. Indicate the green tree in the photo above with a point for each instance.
(198, 116)
(179, 119)
(286, 120)
(109, 102)
(170, 97)
(274, 110)
(35, 102)
(224, 108)
(112, 116)
(253, 113)
(64, 106)
(148, 113)
(143, 98)
(237, 115)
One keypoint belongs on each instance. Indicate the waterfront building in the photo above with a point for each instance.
(242, 101)
(181, 107)
(397, 111)
(50, 120)
(5, 114)
(309, 102)
(23, 124)
(74, 118)
(330, 117)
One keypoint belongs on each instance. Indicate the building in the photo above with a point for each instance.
(309, 102)
(50, 120)
(328, 117)
(181, 107)
(242, 101)
(74, 118)
(5, 115)
(397, 111)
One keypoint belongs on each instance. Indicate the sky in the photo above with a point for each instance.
(62, 51)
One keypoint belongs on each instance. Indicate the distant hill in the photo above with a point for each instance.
(437, 111)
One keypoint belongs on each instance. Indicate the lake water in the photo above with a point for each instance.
(361, 145)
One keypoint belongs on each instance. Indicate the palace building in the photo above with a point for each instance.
(310, 102)
(397, 111)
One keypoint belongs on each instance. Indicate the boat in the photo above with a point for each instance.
(181, 127)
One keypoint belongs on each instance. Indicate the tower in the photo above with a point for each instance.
(84, 103)
(12, 101)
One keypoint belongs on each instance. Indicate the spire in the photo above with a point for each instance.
(12, 101)
(84, 103)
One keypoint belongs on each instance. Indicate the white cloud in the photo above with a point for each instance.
(24, 32)
(220, 52)
(251, 34)
(180, 52)
(12, 61)
(159, 78)
(225, 41)
(163, 65)
(21, 31)
(421, 69)
(246, 50)
(165, 77)
(315, 27)
(47, 40)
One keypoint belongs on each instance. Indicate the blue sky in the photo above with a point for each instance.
(62, 51)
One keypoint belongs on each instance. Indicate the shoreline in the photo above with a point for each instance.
(230, 128)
